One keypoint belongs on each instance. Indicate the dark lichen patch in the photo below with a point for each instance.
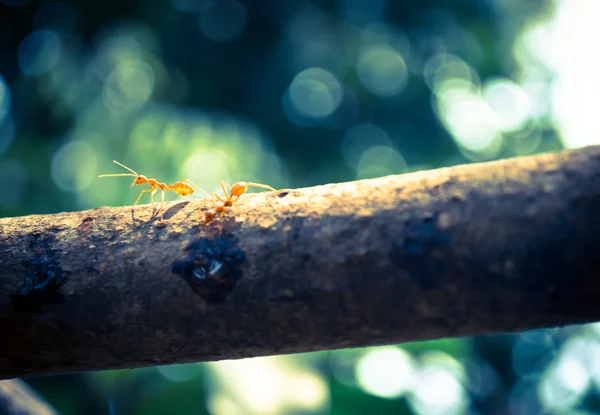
(213, 267)
(85, 225)
(421, 251)
(43, 278)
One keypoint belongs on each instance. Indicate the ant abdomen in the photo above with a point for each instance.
(182, 188)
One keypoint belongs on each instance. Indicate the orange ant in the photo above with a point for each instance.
(182, 188)
(236, 190)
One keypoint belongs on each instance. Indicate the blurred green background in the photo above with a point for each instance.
(296, 93)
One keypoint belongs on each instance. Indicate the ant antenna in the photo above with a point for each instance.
(120, 174)
(197, 187)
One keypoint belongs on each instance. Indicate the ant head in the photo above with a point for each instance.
(209, 215)
(239, 188)
(139, 180)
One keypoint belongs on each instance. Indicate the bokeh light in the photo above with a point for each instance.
(180, 373)
(208, 167)
(509, 102)
(381, 32)
(223, 20)
(445, 67)
(382, 70)
(74, 166)
(532, 353)
(315, 93)
(342, 364)
(438, 391)
(5, 99)
(129, 86)
(470, 120)
(570, 49)
(319, 53)
(523, 398)
(359, 138)
(526, 140)
(565, 384)
(267, 386)
(380, 161)
(481, 378)
(113, 51)
(39, 52)
(386, 371)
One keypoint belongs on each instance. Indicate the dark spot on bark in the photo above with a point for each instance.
(174, 235)
(282, 294)
(43, 278)
(85, 225)
(422, 251)
(283, 194)
(213, 267)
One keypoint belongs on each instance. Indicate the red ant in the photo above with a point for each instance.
(183, 187)
(236, 190)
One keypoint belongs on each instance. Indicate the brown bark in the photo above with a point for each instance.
(482, 248)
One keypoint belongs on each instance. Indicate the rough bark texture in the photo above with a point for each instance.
(482, 248)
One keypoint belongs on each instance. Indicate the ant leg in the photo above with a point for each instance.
(237, 190)
(223, 182)
(152, 200)
(229, 198)
(262, 186)
(214, 195)
(162, 202)
(152, 197)
(219, 209)
(196, 186)
(141, 193)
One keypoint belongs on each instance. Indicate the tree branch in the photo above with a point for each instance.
(482, 248)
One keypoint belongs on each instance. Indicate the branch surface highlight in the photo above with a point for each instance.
(482, 248)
